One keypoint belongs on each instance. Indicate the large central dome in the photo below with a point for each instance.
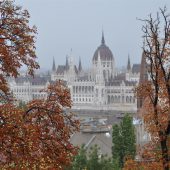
(105, 52)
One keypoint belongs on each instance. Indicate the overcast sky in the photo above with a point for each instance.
(77, 24)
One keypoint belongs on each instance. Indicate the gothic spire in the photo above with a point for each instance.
(99, 74)
(80, 66)
(128, 64)
(67, 65)
(143, 77)
(143, 69)
(53, 67)
(103, 40)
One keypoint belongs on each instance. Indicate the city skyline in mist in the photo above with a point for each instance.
(72, 24)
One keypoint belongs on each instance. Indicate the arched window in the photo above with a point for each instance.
(118, 99)
(131, 99)
(112, 99)
(86, 89)
(89, 89)
(127, 99)
(108, 99)
(104, 74)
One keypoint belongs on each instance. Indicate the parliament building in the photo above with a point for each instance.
(101, 87)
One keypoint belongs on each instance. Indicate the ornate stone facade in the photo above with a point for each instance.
(26, 88)
(100, 87)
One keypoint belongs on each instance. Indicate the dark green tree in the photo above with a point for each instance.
(116, 165)
(123, 138)
(128, 136)
(117, 143)
(98, 161)
(106, 163)
(80, 160)
(92, 160)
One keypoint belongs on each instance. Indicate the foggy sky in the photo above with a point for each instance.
(77, 24)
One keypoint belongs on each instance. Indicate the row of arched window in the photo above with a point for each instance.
(39, 96)
(25, 90)
(21, 90)
(81, 89)
(121, 99)
(77, 100)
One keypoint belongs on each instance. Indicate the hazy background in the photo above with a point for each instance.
(77, 24)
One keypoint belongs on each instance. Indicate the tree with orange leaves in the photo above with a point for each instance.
(38, 136)
(155, 92)
(17, 42)
(35, 136)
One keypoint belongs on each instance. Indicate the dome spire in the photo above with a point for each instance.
(103, 40)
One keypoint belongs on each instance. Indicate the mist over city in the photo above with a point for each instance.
(85, 85)
(77, 25)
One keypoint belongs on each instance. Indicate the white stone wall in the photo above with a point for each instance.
(27, 92)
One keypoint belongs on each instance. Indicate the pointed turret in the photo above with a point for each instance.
(53, 67)
(67, 65)
(80, 66)
(128, 64)
(143, 77)
(103, 40)
(99, 74)
(143, 69)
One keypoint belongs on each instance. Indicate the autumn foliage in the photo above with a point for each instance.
(155, 92)
(17, 42)
(145, 165)
(37, 135)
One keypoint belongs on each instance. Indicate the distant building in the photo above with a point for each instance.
(102, 140)
(142, 136)
(94, 131)
(99, 88)
(27, 88)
